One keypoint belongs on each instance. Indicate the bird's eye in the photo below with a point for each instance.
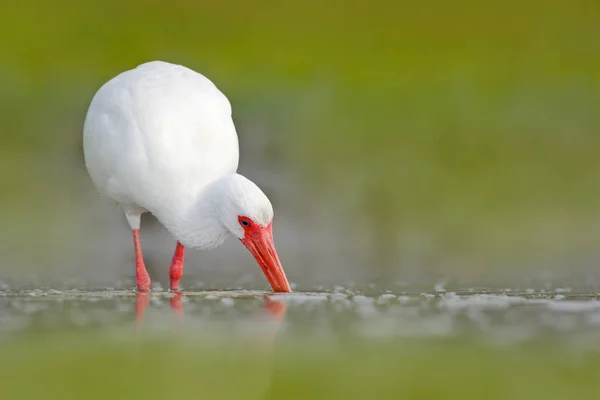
(245, 222)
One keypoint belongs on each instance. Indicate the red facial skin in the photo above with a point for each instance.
(258, 240)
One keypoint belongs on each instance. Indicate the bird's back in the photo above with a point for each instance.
(155, 135)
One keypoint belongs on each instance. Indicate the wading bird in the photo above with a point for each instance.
(159, 138)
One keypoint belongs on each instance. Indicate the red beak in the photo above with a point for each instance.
(260, 243)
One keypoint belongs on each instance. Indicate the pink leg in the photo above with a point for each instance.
(141, 275)
(176, 271)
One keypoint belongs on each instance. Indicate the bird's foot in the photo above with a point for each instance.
(174, 286)
(176, 273)
(143, 282)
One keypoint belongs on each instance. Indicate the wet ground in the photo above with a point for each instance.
(452, 344)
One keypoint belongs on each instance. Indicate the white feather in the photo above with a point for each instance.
(160, 138)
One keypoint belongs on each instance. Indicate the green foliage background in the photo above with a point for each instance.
(448, 132)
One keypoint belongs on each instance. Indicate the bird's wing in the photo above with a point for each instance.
(159, 131)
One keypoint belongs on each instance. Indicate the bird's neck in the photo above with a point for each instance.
(196, 220)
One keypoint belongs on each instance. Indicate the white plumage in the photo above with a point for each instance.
(160, 138)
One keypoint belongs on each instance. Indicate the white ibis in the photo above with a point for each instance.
(159, 138)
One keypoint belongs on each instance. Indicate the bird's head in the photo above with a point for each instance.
(247, 213)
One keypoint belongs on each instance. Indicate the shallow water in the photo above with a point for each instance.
(346, 343)
(508, 317)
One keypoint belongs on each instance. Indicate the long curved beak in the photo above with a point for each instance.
(260, 244)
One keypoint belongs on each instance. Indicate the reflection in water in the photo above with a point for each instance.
(273, 308)
(260, 386)
(177, 306)
(141, 302)
(276, 308)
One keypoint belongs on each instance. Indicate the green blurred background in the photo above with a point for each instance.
(400, 142)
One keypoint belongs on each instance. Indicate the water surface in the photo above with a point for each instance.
(252, 344)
